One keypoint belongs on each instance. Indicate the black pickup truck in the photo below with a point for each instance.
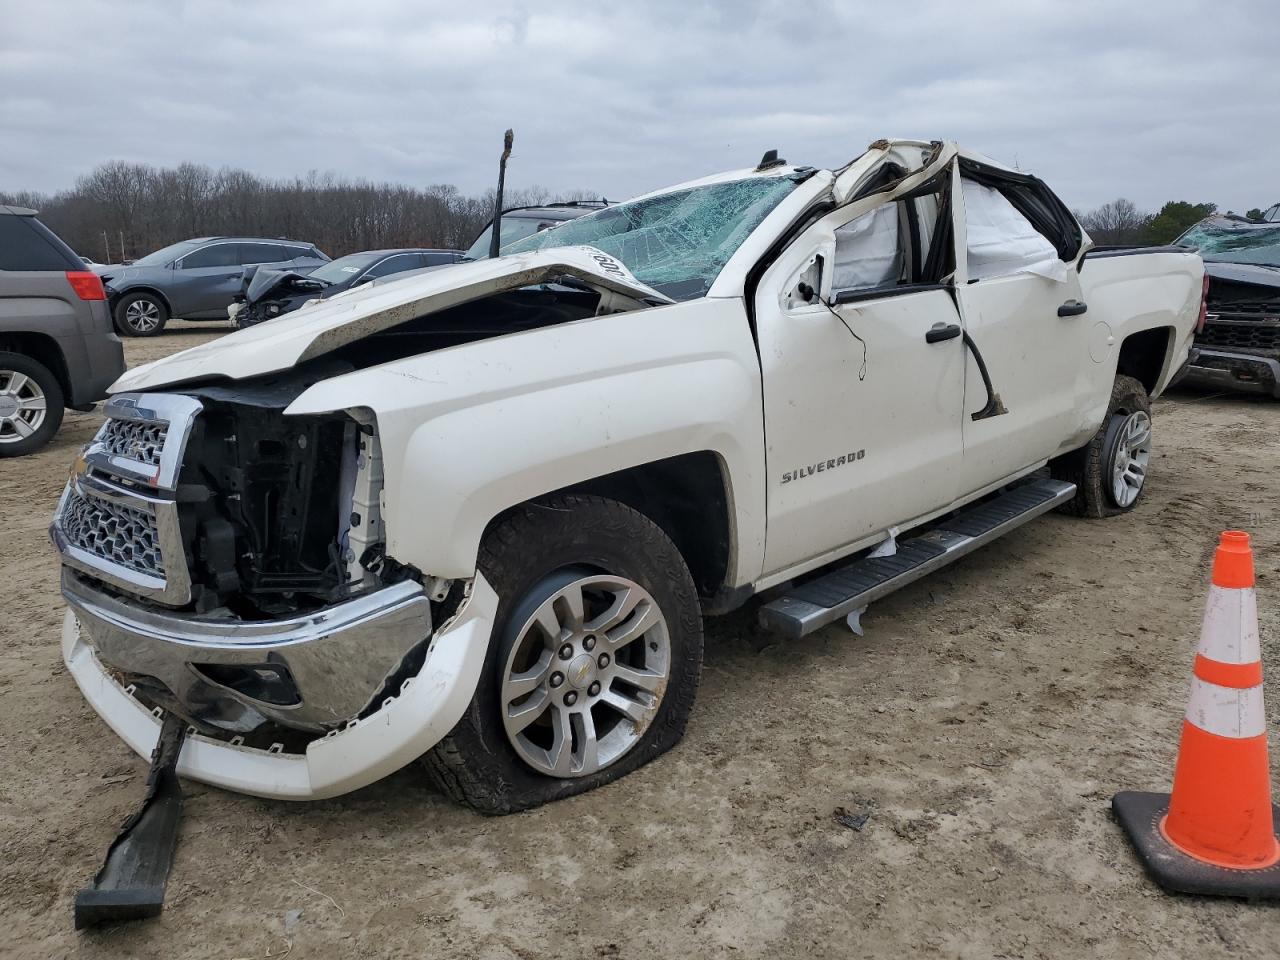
(1238, 344)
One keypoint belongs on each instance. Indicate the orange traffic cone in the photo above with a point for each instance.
(1216, 834)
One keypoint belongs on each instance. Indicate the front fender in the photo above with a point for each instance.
(469, 431)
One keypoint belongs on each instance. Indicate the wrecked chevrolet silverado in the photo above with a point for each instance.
(1237, 344)
(476, 515)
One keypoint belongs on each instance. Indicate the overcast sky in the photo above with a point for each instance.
(1153, 101)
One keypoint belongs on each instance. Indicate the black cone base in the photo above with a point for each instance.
(1139, 815)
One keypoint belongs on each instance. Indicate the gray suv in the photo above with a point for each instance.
(194, 279)
(57, 348)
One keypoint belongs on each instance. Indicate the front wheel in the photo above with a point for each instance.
(141, 315)
(594, 663)
(1110, 471)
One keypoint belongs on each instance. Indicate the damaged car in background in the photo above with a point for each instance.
(1237, 344)
(266, 294)
(476, 515)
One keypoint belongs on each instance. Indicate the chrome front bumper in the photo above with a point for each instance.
(312, 672)
(398, 730)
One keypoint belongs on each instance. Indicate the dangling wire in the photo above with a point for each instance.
(862, 372)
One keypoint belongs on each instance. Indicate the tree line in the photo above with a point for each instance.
(124, 210)
(1120, 222)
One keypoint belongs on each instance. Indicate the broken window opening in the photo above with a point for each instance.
(1032, 198)
(869, 252)
(1001, 241)
(901, 245)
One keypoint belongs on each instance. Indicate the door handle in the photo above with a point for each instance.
(940, 332)
(1072, 308)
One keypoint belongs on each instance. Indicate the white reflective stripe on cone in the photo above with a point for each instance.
(1230, 630)
(1226, 711)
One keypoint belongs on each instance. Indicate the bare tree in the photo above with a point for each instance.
(1117, 222)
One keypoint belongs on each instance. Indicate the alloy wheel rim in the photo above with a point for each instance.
(1129, 462)
(23, 406)
(586, 676)
(142, 315)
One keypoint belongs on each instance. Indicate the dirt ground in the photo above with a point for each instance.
(983, 723)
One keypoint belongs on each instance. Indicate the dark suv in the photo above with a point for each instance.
(57, 348)
(194, 279)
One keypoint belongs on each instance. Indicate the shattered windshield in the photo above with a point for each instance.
(676, 242)
(1229, 241)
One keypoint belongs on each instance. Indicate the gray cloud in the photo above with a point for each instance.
(1150, 100)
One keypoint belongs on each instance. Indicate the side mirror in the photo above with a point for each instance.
(363, 280)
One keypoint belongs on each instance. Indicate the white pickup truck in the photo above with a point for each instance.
(475, 515)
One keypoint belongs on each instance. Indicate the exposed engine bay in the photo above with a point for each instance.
(269, 509)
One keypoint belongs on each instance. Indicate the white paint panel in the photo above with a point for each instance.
(470, 431)
(1230, 630)
(1226, 711)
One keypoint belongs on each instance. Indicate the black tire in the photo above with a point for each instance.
(1089, 467)
(11, 444)
(151, 302)
(521, 553)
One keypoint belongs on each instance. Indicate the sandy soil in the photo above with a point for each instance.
(983, 722)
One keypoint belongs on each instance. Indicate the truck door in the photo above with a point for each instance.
(863, 372)
(1019, 293)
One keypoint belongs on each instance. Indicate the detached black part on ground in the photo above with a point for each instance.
(131, 883)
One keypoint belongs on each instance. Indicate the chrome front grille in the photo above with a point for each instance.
(118, 518)
(114, 532)
(132, 440)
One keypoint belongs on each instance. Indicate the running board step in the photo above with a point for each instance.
(852, 586)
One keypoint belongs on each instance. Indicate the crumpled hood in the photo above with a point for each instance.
(354, 314)
(266, 281)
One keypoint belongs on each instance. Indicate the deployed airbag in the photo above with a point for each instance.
(868, 254)
(1001, 241)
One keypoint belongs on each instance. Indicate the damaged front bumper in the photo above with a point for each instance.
(407, 722)
(1231, 370)
(309, 672)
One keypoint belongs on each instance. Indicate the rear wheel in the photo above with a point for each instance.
(30, 405)
(141, 315)
(1110, 471)
(593, 666)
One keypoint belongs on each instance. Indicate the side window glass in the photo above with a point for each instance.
(217, 255)
(868, 251)
(260, 253)
(1001, 241)
(396, 264)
